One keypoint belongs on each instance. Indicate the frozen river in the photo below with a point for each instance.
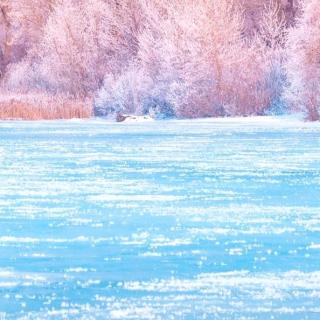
(216, 219)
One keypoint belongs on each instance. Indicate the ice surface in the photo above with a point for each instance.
(203, 219)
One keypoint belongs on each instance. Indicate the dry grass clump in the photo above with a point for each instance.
(43, 107)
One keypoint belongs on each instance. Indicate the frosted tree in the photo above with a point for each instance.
(186, 57)
(303, 68)
(21, 25)
(185, 47)
(199, 62)
(81, 42)
(269, 51)
(5, 37)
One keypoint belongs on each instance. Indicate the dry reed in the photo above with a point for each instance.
(43, 107)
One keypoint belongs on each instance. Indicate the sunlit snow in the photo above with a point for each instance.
(202, 219)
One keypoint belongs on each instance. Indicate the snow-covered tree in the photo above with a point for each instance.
(21, 26)
(186, 57)
(82, 41)
(303, 65)
(184, 47)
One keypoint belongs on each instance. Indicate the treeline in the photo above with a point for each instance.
(183, 58)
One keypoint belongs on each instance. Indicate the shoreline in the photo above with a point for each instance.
(274, 120)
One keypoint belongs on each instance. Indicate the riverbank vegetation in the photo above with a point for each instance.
(182, 58)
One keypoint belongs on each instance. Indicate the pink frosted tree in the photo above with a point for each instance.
(303, 68)
(196, 58)
(5, 37)
(21, 25)
(200, 62)
(185, 47)
(258, 79)
(81, 42)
